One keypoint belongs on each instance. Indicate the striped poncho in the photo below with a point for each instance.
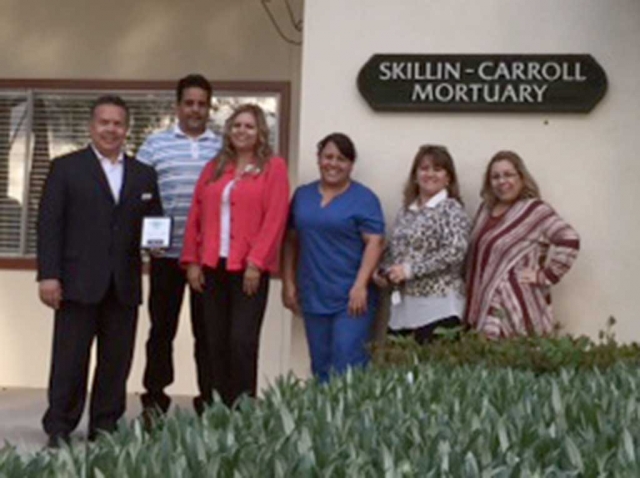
(529, 235)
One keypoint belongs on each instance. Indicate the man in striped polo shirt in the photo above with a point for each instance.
(178, 155)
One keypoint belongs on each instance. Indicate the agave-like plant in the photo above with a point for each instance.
(416, 420)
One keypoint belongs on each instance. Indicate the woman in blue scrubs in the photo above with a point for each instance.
(333, 244)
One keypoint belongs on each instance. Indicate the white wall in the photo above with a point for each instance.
(138, 40)
(586, 165)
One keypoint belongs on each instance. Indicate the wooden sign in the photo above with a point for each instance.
(482, 83)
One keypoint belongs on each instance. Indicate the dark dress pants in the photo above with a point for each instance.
(233, 322)
(168, 282)
(76, 325)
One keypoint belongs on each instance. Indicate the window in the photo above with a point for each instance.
(41, 120)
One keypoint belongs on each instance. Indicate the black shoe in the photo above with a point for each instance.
(200, 405)
(57, 440)
(156, 400)
(150, 417)
(97, 432)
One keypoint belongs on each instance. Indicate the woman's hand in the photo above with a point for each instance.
(290, 297)
(251, 280)
(527, 276)
(357, 300)
(195, 277)
(380, 279)
(397, 274)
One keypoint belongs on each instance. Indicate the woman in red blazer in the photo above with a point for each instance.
(232, 240)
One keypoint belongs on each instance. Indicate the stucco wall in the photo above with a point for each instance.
(26, 331)
(586, 165)
(141, 40)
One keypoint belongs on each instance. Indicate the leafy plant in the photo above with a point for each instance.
(421, 419)
(538, 354)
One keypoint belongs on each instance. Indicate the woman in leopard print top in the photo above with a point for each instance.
(426, 249)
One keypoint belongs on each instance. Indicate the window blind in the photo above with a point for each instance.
(37, 126)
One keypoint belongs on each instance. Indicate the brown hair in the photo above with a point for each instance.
(441, 158)
(342, 142)
(530, 188)
(263, 151)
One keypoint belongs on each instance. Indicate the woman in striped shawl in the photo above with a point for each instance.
(519, 248)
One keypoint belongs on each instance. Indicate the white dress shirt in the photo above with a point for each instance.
(113, 171)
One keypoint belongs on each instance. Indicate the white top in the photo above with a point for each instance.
(413, 312)
(225, 219)
(113, 171)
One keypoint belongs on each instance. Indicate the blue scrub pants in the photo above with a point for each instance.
(338, 341)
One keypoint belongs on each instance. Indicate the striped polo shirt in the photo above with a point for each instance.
(178, 161)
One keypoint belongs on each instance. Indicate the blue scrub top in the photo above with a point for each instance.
(331, 245)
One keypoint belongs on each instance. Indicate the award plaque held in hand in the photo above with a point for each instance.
(156, 233)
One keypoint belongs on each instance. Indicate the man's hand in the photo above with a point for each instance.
(157, 253)
(50, 291)
(251, 280)
(195, 277)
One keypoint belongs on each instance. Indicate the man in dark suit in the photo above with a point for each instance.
(89, 269)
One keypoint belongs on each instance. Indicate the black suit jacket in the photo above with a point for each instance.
(85, 238)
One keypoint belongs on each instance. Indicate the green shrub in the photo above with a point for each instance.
(418, 420)
(538, 354)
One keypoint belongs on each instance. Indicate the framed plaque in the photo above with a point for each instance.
(156, 233)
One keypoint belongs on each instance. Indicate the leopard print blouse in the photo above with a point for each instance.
(433, 241)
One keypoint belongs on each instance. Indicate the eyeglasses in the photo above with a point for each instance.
(498, 177)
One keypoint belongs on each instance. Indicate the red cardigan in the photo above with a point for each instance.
(259, 208)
